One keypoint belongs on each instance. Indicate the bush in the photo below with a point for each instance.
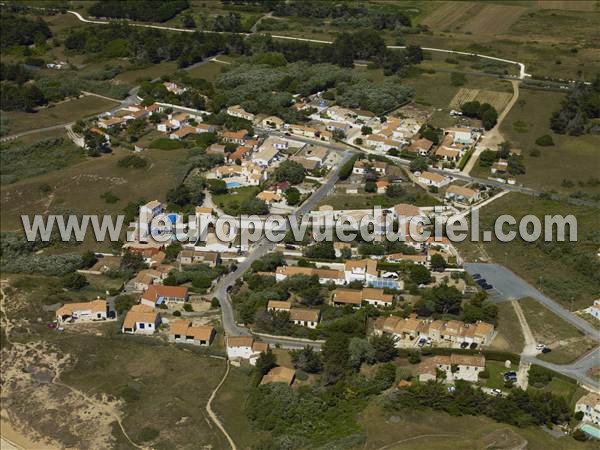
(74, 280)
(187, 307)
(132, 161)
(177, 313)
(214, 303)
(544, 141)
(109, 197)
(148, 434)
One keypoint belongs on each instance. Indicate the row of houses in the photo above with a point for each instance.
(438, 331)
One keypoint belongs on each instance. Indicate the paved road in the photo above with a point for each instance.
(509, 286)
(260, 249)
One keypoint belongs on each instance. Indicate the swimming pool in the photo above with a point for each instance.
(590, 430)
(232, 184)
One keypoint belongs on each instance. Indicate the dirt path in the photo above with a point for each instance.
(100, 406)
(211, 413)
(492, 138)
(528, 348)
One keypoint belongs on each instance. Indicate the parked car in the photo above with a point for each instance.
(464, 344)
(473, 345)
(421, 342)
(488, 286)
(540, 347)
(546, 350)
(481, 281)
(476, 276)
(496, 391)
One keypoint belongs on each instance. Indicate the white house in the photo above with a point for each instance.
(433, 179)
(183, 331)
(159, 294)
(141, 319)
(83, 312)
(245, 347)
(238, 111)
(594, 310)
(277, 305)
(589, 405)
(305, 317)
(364, 270)
(376, 297)
(455, 367)
(460, 135)
(462, 194)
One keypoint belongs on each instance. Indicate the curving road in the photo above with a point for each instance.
(522, 73)
(260, 249)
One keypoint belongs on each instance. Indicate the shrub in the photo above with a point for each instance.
(177, 313)
(132, 161)
(214, 303)
(166, 144)
(109, 197)
(545, 140)
(187, 307)
(74, 280)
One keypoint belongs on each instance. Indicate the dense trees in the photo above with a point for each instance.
(142, 10)
(16, 97)
(520, 408)
(581, 106)
(483, 111)
(290, 171)
(20, 30)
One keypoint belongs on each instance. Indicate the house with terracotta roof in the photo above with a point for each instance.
(343, 297)
(377, 297)
(459, 367)
(325, 275)
(447, 154)
(279, 375)
(242, 152)
(278, 305)
(159, 294)
(396, 258)
(382, 186)
(302, 130)
(141, 319)
(305, 317)
(420, 147)
(270, 198)
(183, 132)
(145, 278)
(235, 137)
(245, 347)
(238, 111)
(84, 312)
(433, 179)
(462, 194)
(360, 167)
(183, 331)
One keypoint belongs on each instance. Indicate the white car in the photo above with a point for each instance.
(496, 391)
(540, 347)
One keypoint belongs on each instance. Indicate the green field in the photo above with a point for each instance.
(209, 71)
(567, 343)
(496, 370)
(560, 265)
(64, 112)
(78, 188)
(570, 158)
(231, 200)
(148, 73)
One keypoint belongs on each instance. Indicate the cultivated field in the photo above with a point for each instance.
(470, 17)
(498, 100)
(573, 5)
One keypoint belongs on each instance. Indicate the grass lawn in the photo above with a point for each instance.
(496, 370)
(363, 201)
(566, 342)
(425, 429)
(148, 73)
(230, 406)
(509, 336)
(67, 111)
(561, 264)
(234, 197)
(570, 158)
(209, 71)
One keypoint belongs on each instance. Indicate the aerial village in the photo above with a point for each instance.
(286, 164)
